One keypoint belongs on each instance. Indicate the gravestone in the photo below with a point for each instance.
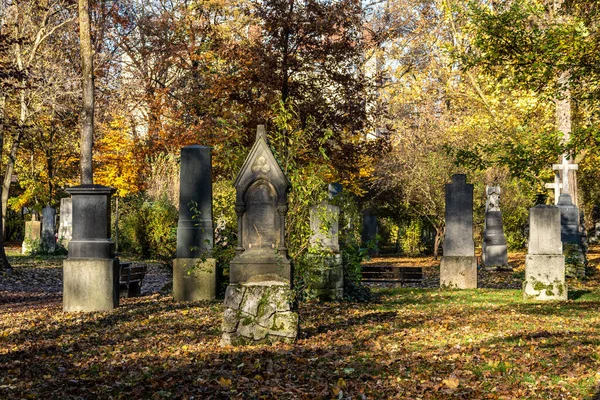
(91, 271)
(48, 228)
(494, 253)
(545, 263)
(259, 300)
(458, 268)
(33, 234)
(573, 248)
(326, 280)
(370, 230)
(65, 228)
(194, 272)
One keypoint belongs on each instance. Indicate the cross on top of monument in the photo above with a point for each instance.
(261, 132)
(565, 167)
(555, 186)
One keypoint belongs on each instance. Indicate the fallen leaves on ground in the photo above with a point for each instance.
(413, 343)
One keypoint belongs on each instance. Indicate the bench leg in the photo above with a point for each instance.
(135, 289)
(123, 291)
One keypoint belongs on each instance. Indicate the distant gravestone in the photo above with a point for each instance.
(494, 253)
(258, 300)
(194, 272)
(571, 237)
(370, 230)
(458, 268)
(33, 234)
(545, 263)
(49, 228)
(65, 228)
(326, 281)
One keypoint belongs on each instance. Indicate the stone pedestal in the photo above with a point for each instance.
(91, 273)
(544, 264)
(494, 254)
(90, 284)
(260, 312)
(327, 277)
(458, 272)
(458, 268)
(194, 279)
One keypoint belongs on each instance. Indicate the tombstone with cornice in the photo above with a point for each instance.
(259, 299)
(573, 249)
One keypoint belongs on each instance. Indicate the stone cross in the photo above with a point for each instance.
(555, 186)
(564, 168)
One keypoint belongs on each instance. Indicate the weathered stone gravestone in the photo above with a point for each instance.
(494, 250)
(91, 271)
(259, 300)
(65, 227)
(545, 263)
(48, 228)
(458, 268)
(194, 273)
(327, 280)
(33, 234)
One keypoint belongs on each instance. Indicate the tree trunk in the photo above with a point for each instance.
(4, 263)
(87, 113)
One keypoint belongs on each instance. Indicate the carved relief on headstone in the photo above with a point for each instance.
(494, 249)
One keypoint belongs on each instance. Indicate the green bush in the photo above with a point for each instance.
(149, 228)
(411, 238)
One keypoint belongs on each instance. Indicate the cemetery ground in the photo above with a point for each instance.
(408, 343)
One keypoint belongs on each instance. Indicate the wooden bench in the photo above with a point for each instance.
(131, 278)
(392, 274)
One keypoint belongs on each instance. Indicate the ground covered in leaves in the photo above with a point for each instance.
(411, 343)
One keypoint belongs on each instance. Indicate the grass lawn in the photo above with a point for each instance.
(409, 344)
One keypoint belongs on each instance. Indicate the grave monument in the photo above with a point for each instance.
(494, 253)
(194, 272)
(48, 228)
(259, 300)
(545, 263)
(65, 228)
(91, 271)
(33, 233)
(458, 268)
(327, 277)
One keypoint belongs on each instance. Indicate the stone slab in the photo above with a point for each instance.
(326, 280)
(458, 272)
(90, 284)
(65, 227)
(494, 256)
(545, 278)
(544, 231)
(458, 237)
(194, 279)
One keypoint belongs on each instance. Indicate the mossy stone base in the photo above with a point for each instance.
(90, 284)
(545, 278)
(458, 272)
(259, 312)
(194, 279)
(326, 281)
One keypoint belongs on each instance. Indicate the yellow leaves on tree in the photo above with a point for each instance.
(115, 161)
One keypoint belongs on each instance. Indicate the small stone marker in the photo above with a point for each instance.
(33, 232)
(458, 268)
(327, 281)
(91, 271)
(573, 248)
(48, 228)
(259, 300)
(194, 273)
(545, 263)
(370, 230)
(494, 250)
(65, 228)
